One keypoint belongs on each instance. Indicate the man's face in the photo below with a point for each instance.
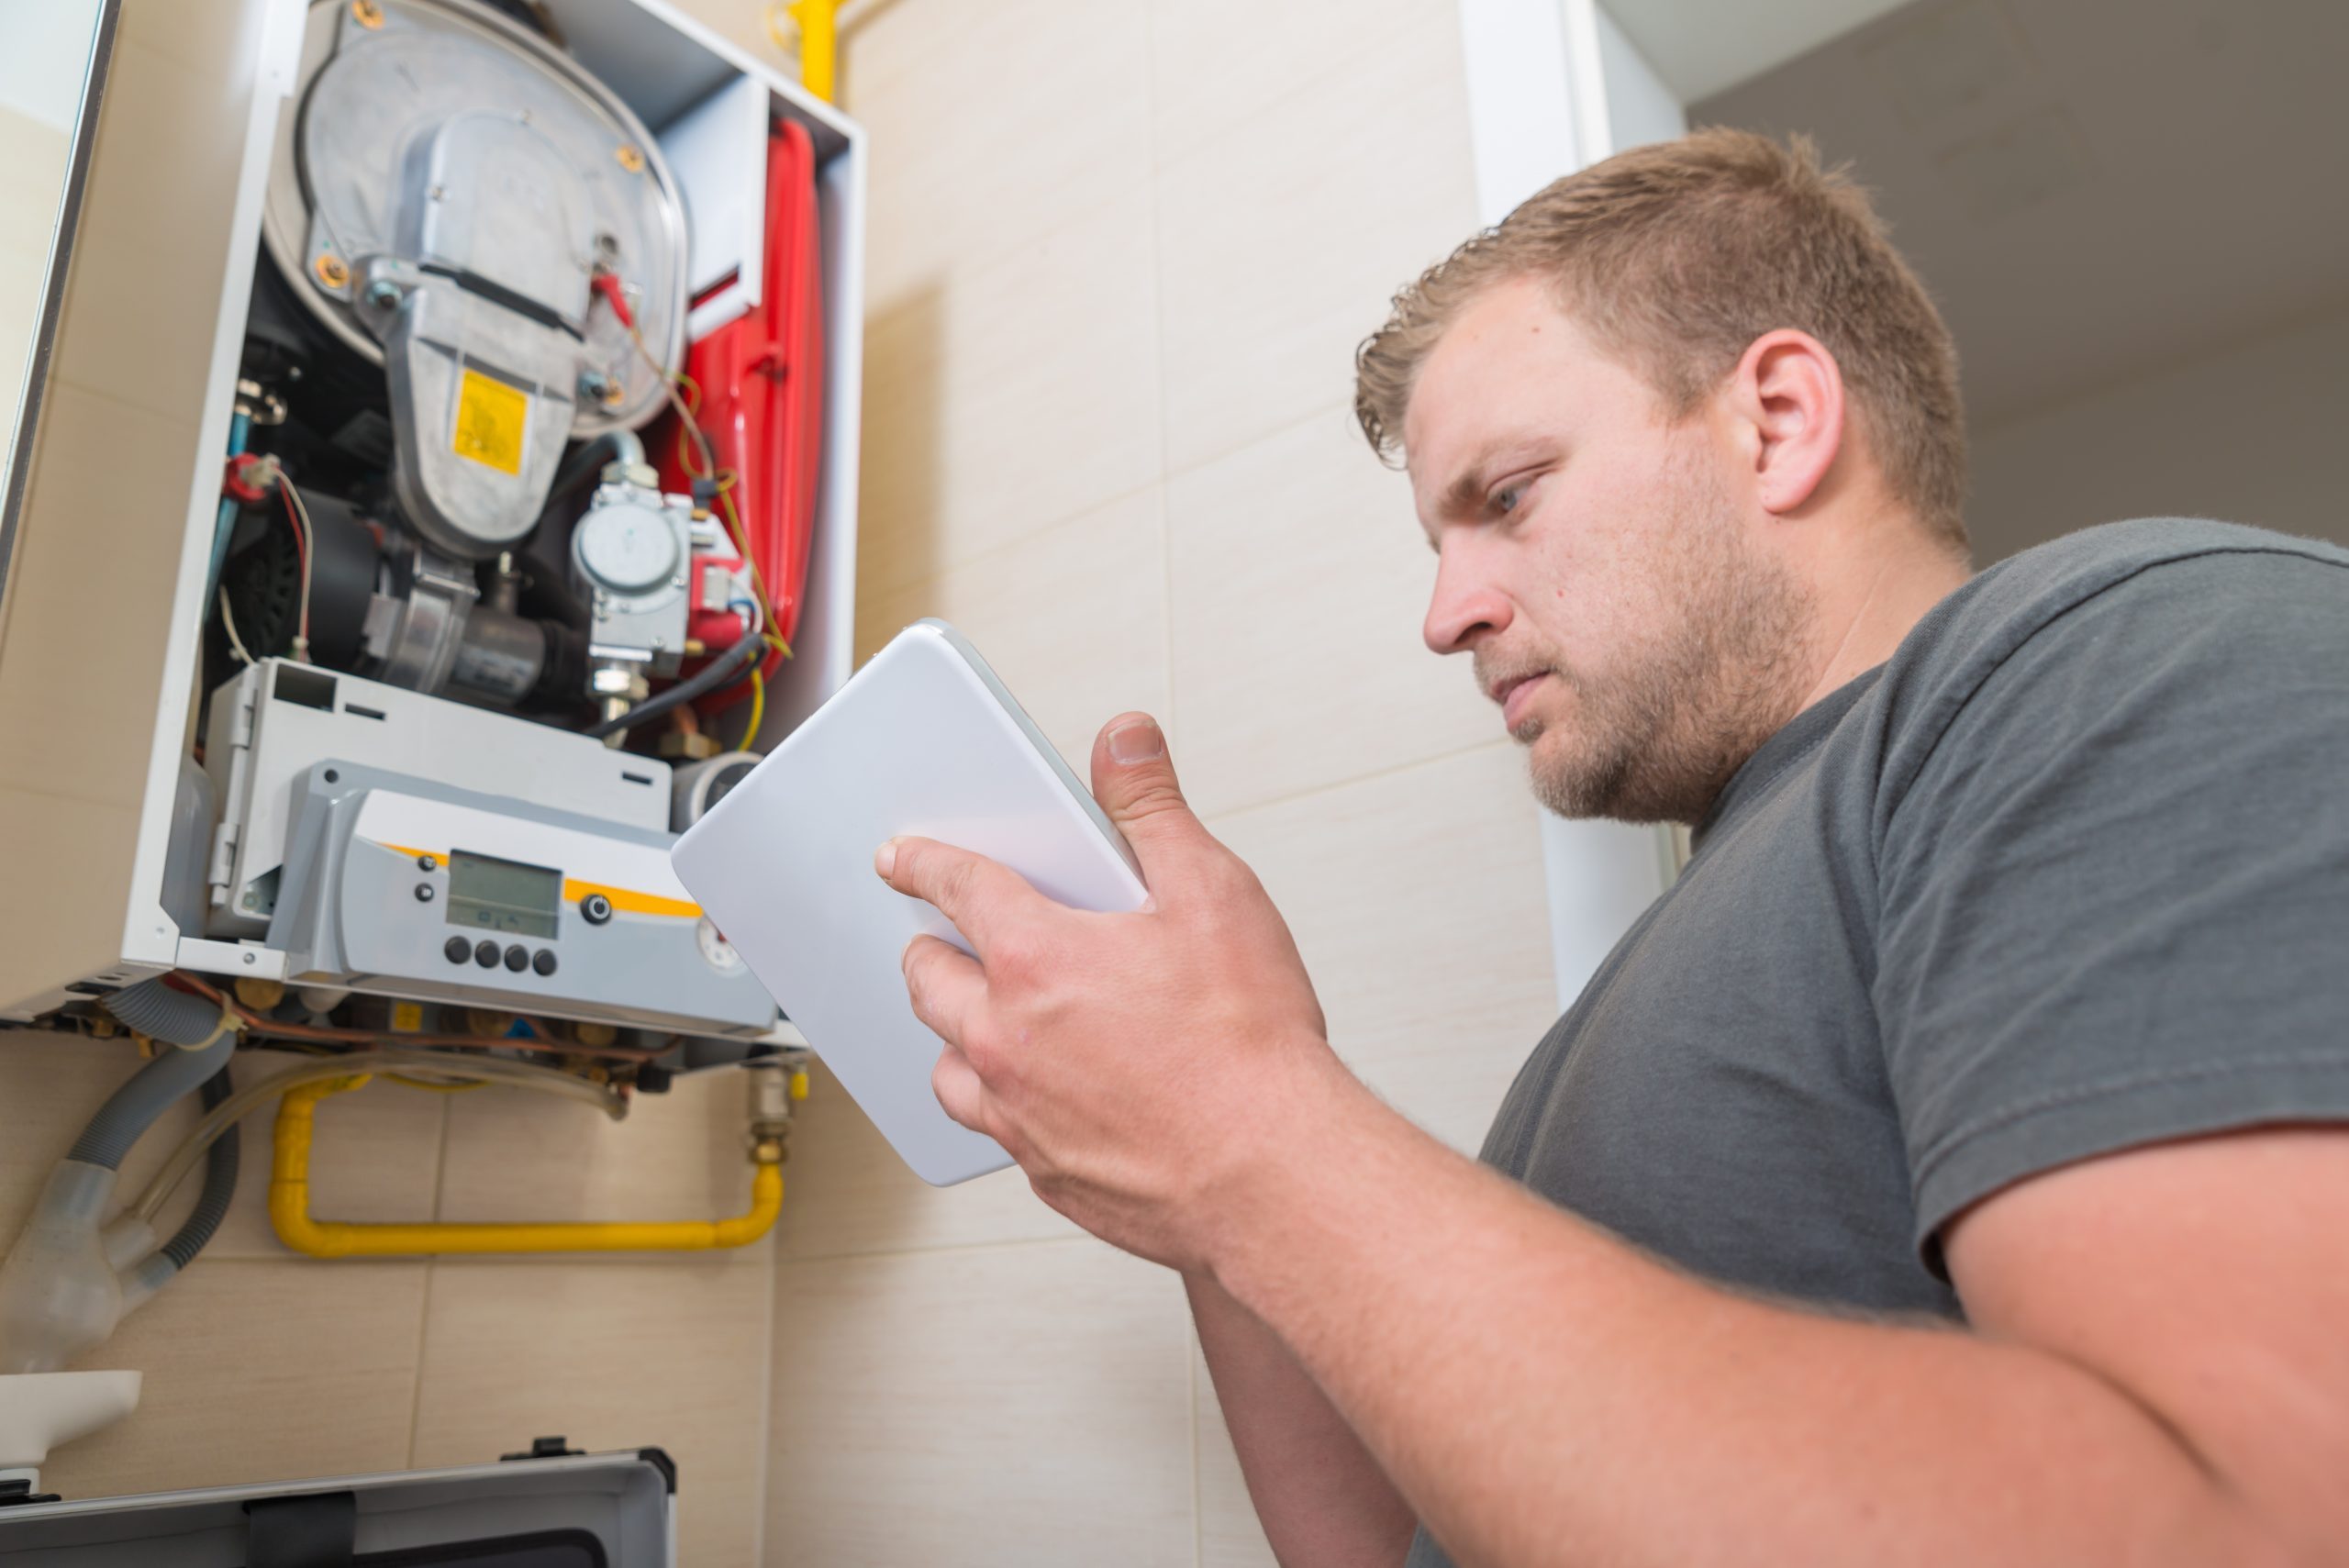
(1598, 564)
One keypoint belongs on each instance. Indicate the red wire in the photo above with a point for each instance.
(608, 285)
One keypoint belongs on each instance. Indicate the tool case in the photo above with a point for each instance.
(551, 1507)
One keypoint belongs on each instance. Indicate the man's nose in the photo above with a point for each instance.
(1466, 607)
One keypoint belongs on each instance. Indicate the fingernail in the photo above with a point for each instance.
(1137, 743)
(885, 859)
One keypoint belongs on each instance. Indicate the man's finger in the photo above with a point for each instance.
(960, 1094)
(1134, 779)
(946, 985)
(971, 890)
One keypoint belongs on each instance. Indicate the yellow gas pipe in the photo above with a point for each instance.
(289, 1208)
(819, 42)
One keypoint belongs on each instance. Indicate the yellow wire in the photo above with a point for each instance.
(758, 706)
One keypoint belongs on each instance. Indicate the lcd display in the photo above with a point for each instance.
(488, 894)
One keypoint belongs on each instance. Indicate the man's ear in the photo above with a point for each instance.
(1790, 391)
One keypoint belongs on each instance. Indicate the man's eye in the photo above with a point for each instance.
(1504, 501)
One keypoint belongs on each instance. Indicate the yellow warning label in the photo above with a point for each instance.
(408, 1017)
(491, 417)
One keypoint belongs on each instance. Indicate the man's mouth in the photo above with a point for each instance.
(1516, 694)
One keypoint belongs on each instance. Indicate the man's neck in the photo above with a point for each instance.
(1865, 615)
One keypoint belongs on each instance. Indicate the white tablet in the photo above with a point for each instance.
(923, 740)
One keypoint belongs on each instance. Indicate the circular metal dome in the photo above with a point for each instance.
(408, 110)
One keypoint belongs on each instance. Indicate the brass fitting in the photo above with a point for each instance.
(257, 993)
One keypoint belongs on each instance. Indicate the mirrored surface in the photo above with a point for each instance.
(52, 56)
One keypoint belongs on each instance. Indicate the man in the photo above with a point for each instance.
(1948, 1169)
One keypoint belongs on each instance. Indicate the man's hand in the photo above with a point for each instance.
(1137, 1066)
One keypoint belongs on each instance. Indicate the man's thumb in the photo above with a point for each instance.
(1134, 780)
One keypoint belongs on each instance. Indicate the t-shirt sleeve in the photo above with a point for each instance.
(2114, 895)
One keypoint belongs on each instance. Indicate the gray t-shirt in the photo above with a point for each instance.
(2069, 873)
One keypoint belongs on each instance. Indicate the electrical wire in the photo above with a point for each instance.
(688, 425)
(718, 672)
(278, 1030)
(758, 681)
(758, 707)
(305, 542)
(756, 640)
(229, 625)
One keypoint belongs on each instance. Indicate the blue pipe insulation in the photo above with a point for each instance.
(241, 427)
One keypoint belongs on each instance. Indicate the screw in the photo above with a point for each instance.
(331, 270)
(383, 294)
(658, 644)
(367, 14)
(594, 386)
(629, 158)
(248, 956)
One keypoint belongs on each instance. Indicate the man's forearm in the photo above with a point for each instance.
(1321, 1499)
(1542, 1392)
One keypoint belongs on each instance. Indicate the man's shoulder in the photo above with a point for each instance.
(2146, 573)
(2043, 582)
(2046, 639)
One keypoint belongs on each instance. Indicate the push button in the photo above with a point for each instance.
(517, 958)
(486, 954)
(596, 909)
(458, 949)
(543, 962)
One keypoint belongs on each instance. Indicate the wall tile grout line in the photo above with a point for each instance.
(1024, 539)
(1229, 814)
(1166, 635)
(766, 1415)
(955, 1249)
(424, 1306)
(875, 588)
(1158, 322)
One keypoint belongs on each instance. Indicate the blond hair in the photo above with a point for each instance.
(1677, 256)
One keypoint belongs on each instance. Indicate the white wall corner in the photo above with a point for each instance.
(1555, 85)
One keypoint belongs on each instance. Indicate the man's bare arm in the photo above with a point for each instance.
(1321, 1499)
(2157, 1374)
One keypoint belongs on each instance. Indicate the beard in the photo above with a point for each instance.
(1656, 739)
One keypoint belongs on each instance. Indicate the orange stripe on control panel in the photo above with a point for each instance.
(629, 899)
(573, 890)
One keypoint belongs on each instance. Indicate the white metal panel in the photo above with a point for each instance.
(149, 935)
(718, 149)
(260, 744)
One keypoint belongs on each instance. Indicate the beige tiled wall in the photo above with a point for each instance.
(1121, 252)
